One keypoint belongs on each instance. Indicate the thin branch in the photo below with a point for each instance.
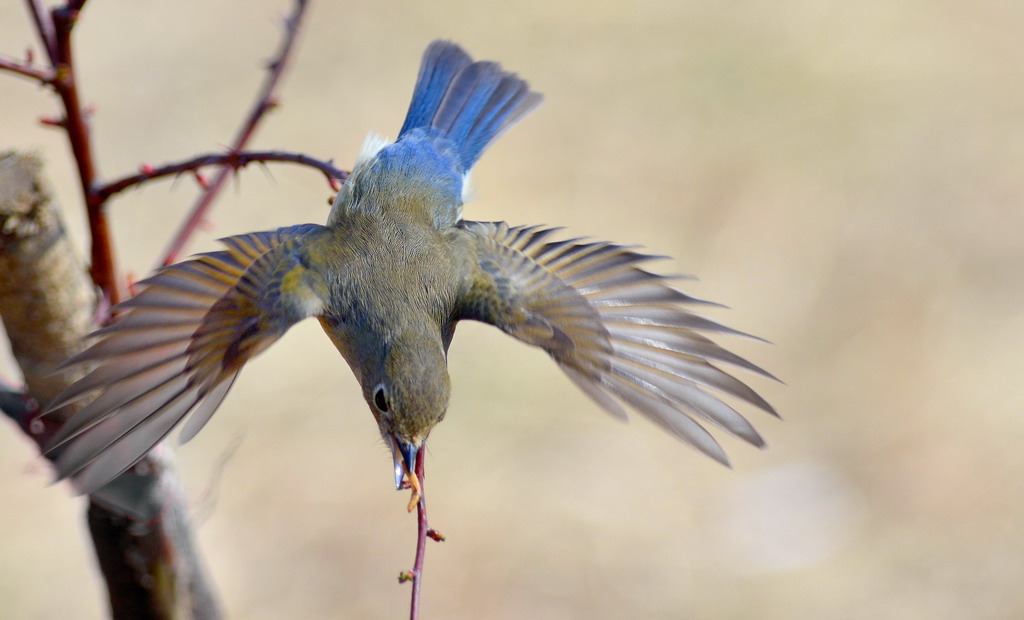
(55, 31)
(26, 69)
(230, 161)
(102, 266)
(44, 26)
(265, 101)
(421, 542)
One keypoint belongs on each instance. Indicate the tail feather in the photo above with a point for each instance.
(442, 61)
(470, 103)
(465, 99)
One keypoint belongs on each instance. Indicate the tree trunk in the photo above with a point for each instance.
(139, 522)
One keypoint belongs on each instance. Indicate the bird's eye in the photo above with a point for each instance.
(380, 399)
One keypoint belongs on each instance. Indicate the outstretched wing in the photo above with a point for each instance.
(177, 347)
(618, 331)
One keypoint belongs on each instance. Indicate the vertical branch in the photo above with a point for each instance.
(102, 266)
(265, 101)
(421, 541)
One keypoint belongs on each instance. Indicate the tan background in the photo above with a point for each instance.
(847, 176)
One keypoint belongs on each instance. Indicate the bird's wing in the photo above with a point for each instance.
(177, 347)
(618, 331)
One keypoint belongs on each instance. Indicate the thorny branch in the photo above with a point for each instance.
(265, 102)
(54, 29)
(230, 161)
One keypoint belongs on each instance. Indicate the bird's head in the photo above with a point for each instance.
(409, 395)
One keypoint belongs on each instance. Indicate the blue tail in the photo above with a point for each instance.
(470, 103)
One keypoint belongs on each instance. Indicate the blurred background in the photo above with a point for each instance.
(845, 176)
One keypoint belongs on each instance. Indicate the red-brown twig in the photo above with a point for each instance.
(102, 266)
(230, 161)
(421, 541)
(26, 69)
(44, 26)
(54, 29)
(264, 102)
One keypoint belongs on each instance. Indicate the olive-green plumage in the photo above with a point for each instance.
(389, 277)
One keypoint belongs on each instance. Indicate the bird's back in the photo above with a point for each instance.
(387, 268)
(458, 108)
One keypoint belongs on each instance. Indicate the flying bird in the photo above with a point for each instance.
(389, 277)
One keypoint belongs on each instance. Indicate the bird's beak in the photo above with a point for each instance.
(405, 460)
(405, 468)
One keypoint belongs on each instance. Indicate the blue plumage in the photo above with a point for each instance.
(458, 108)
(469, 103)
(442, 61)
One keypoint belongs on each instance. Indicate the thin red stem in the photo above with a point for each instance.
(231, 161)
(264, 102)
(421, 540)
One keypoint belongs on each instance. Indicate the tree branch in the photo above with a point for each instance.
(139, 522)
(421, 543)
(44, 27)
(230, 161)
(423, 532)
(62, 20)
(265, 101)
(26, 69)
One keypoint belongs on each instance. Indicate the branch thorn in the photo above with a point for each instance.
(51, 121)
(201, 179)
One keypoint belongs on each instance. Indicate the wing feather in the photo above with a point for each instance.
(621, 333)
(177, 348)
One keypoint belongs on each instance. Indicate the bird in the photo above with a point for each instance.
(389, 276)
